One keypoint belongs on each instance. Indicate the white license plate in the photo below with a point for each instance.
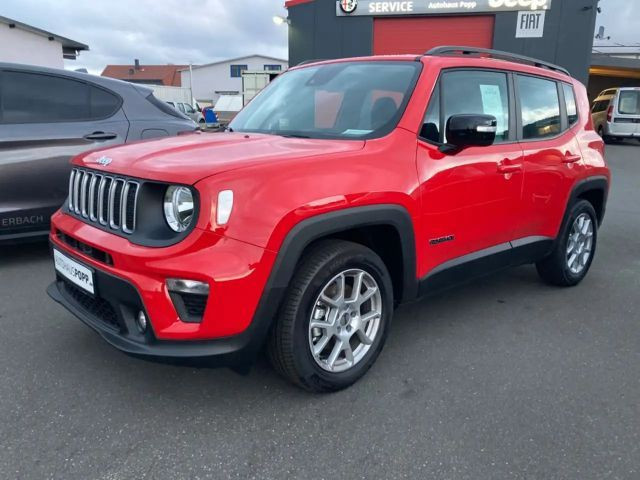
(74, 271)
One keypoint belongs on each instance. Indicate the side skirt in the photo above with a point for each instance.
(485, 262)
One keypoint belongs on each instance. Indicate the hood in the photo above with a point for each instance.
(187, 159)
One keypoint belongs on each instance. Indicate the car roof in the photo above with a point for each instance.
(106, 82)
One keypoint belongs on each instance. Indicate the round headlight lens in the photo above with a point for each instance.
(178, 208)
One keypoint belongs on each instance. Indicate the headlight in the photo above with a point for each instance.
(178, 208)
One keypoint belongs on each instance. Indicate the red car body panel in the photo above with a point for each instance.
(280, 182)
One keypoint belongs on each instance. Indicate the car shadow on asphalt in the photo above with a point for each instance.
(181, 385)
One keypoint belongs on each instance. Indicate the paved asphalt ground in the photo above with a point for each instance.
(503, 379)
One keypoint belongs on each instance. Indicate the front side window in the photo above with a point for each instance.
(540, 107)
(35, 98)
(474, 92)
(236, 70)
(336, 100)
(629, 102)
(570, 100)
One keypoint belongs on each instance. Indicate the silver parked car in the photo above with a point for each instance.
(48, 116)
(193, 113)
(616, 114)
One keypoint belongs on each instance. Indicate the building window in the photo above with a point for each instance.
(273, 68)
(236, 70)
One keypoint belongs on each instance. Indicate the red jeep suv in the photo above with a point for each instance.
(342, 190)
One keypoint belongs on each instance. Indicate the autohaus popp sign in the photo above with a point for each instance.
(349, 8)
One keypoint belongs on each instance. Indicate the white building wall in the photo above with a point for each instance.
(207, 80)
(20, 46)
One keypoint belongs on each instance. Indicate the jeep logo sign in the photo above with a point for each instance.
(381, 8)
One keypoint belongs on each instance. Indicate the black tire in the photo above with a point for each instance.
(554, 269)
(605, 138)
(288, 345)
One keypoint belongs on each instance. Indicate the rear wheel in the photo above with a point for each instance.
(334, 319)
(574, 249)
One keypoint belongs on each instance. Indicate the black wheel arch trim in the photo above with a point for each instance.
(598, 183)
(320, 226)
(324, 225)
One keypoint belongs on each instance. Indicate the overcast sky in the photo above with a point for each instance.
(201, 31)
(620, 19)
(157, 31)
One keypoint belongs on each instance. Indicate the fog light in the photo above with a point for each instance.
(141, 321)
(180, 285)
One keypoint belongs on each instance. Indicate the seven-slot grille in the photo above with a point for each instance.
(105, 199)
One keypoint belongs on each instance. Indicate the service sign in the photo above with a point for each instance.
(379, 8)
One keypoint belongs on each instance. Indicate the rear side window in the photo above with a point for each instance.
(629, 102)
(570, 101)
(37, 98)
(469, 92)
(540, 107)
(163, 107)
(103, 103)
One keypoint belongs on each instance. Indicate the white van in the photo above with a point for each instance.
(616, 114)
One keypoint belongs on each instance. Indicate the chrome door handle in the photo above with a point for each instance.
(504, 167)
(569, 158)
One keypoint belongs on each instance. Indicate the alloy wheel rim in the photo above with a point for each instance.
(345, 320)
(580, 244)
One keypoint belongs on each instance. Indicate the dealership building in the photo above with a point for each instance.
(557, 31)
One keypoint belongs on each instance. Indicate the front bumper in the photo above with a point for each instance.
(232, 351)
(131, 278)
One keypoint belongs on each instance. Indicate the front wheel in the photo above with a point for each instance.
(334, 319)
(574, 248)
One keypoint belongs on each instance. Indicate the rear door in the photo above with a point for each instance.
(548, 119)
(626, 118)
(44, 121)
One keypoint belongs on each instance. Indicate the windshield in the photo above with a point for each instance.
(337, 100)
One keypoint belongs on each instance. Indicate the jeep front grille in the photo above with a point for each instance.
(105, 199)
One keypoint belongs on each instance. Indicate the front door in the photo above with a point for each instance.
(470, 199)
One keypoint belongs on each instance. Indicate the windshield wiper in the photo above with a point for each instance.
(293, 135)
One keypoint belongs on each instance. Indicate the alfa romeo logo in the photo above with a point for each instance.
(348, 6)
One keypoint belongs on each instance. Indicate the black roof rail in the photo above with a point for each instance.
(499, 54)
(304, 62)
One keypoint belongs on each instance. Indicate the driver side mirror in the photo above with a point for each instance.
(466, 130)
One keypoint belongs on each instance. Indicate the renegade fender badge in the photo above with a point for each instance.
(438, 241)
(104, 161)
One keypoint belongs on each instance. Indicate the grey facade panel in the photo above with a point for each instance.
(317, 33)
(567, 41)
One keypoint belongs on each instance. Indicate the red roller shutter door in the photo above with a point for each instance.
(419, 34)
